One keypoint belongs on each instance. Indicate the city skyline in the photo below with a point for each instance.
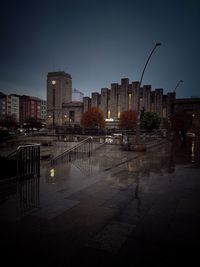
(99, 43)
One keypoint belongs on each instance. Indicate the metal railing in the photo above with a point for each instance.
(78, 151)
(27, 159)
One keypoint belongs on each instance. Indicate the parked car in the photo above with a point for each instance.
(43, 131)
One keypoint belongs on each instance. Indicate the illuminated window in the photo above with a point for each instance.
(193, 154)
(118, 106)
(164, 113)
(141, 102)
(108, 114)
(52, 172)
(129, 101)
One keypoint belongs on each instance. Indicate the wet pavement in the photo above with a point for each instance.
(115, 208)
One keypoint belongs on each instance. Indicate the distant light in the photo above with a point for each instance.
(109, 140)
(192, 148)
(111, 119)
(52, 172)
(108, 114)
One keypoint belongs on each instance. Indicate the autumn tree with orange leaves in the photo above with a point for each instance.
(128, 120)
(93, 118)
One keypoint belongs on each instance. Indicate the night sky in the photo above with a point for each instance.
(98, 43)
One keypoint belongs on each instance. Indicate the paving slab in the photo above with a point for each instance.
(115, 207)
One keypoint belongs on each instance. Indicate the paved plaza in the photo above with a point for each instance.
(115, 208)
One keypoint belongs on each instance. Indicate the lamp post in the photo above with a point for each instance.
(177, 85)
(49, 119)
(138, 103)
(65, 119)
(170, 113)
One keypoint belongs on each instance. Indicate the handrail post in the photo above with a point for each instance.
(28, 160)
(81, 148)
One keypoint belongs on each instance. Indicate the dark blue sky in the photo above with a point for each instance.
(99, 42)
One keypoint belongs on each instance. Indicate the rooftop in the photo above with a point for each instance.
(59, 73)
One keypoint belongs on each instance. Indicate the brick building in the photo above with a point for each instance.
(43, 111)
(30, 107)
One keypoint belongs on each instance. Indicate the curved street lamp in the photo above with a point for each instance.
(170, 113)
(177, 85)
(139, 85)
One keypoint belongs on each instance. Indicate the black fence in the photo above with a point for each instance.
(25, 161)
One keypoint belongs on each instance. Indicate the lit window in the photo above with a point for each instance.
(164, 113)
(52, 172)
(129, 101)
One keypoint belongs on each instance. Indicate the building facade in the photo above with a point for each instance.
(111, 101)
(127, 96)
(9, 106)
(191, 107)
(59, 92)
(72, 113)
(43, 114)
(22, 108)
(13, 106)
(95, 99)
(2, 105)
(86, 103)
(30, 107)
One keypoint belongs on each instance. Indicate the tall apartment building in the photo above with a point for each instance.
(9, 105)
(12, 106)
(2, 105)
(22, 107)
(30, 107)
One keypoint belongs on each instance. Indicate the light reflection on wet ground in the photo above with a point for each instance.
(90, 200)
(64, 179)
